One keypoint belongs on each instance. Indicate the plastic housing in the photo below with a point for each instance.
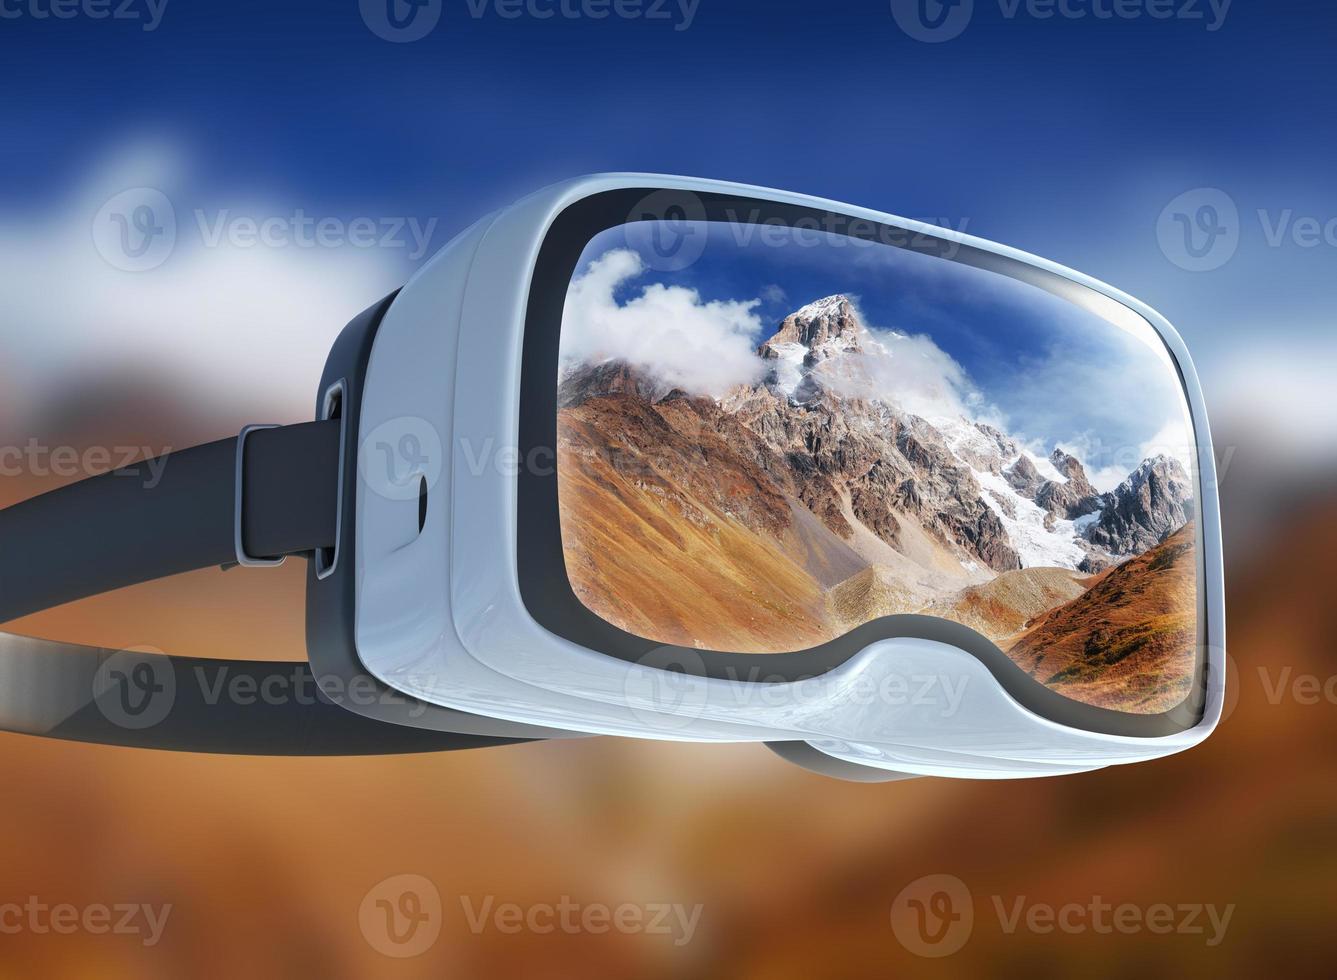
(439, 613)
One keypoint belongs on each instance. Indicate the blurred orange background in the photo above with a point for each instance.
(1082, 139)
(266, 863)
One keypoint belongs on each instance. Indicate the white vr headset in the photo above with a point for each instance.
(680, 459)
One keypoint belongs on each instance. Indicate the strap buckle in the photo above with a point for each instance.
(242, 557)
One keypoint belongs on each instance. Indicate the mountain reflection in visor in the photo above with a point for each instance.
(789, 439)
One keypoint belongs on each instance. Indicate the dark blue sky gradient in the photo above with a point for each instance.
(1065, 138)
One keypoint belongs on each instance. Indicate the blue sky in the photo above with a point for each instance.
(1067, 138)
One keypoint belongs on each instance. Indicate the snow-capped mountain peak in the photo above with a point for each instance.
(864, 465)
(837, 307)
(823, 329)
(829, 325)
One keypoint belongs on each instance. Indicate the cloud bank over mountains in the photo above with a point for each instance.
(1057, 397)
(668, 332)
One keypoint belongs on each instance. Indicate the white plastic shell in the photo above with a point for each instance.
(440, 615)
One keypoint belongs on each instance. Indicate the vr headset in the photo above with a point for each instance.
(668, 458)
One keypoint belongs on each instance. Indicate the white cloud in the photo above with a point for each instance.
(1280, 386)
(1108, 464)
(1104, 470)
(1103, 396)
(666, 331)
(238, 326)
(911, 372)
(1173, 440)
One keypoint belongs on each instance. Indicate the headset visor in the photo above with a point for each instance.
(769, 436)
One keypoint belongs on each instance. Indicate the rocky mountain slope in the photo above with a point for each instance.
(1011, 602)
(1126, 641)
(692, 532)
(804, 504)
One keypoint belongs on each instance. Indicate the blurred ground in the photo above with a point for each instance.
(266, 863)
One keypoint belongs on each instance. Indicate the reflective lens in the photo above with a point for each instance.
(768, 437)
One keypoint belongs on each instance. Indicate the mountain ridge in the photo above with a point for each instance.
(1119, 640)
(972, 484)
(785, 512)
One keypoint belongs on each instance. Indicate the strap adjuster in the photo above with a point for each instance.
(242, 557)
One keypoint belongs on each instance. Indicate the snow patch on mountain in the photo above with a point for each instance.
(874, 432)
(1047, 506)
(826, 306)
(789, 367)
(1084, 523)
(1045, 467)
(1039, 546)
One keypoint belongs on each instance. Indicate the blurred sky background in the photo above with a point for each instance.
(1067, 138)
(1090, 141)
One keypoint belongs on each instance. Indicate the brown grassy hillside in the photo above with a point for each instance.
(1126, 643)
(688, 529)
(1008, 604)
(680, 525)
